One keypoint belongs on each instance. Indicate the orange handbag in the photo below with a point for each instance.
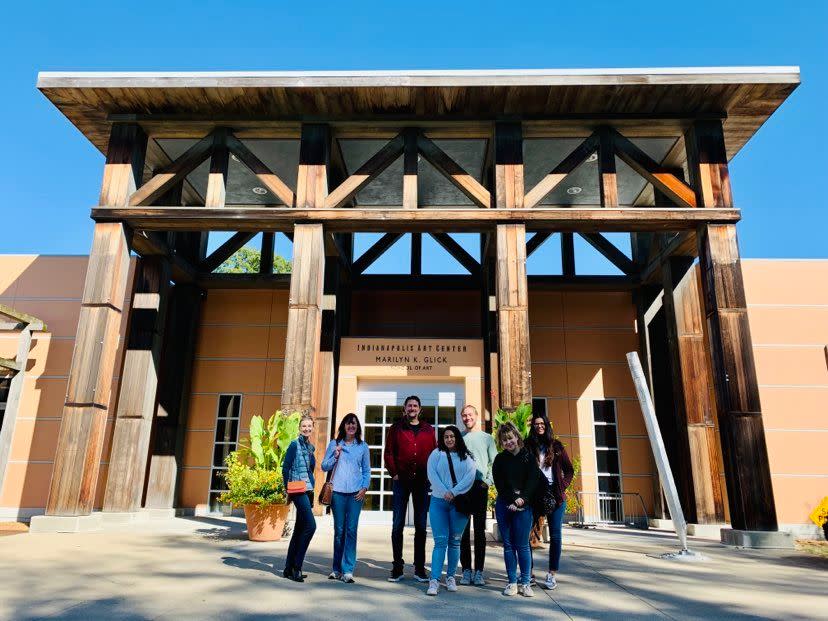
(297, 487)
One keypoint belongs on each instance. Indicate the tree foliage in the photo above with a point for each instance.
(248, 260)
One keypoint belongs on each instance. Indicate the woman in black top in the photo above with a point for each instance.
(515, 474)
(557, 470)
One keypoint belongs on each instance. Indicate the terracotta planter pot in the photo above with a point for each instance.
(265, 522)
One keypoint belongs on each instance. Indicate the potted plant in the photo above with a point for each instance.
(254, 475)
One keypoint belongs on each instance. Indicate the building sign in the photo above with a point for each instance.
(429, 357)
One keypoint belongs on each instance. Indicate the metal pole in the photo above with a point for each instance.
(659, 452)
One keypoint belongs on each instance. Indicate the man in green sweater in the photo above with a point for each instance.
(482, 447)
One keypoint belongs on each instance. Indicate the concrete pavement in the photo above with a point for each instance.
(203, 568)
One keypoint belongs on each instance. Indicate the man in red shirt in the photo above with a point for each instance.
(408, 445)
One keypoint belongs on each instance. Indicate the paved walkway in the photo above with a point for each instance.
(205, 569)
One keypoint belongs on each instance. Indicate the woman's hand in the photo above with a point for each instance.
(337, 451)
(519, 502)
(360, 495)
(513, 507)
(448, 496)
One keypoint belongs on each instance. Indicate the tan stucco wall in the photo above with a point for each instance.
(48, 287)
(240, 349)
(578, 346)
(578, 342)
(788, 309)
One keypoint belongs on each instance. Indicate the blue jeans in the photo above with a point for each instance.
(555, 522)
(346, 510)
(418, 490)
(447, 526)
(515, 527)
(303, 530)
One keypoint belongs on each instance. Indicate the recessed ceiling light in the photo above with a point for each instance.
(233, 157)
(593, 157)
(573, 190)
(261, 191)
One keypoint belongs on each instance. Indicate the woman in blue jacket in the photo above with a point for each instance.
(298, 465)
(349, 455)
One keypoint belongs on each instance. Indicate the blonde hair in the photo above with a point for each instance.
(472, 408)
(305, 417)
(507, 428)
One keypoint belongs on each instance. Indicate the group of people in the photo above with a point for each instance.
(447, 477)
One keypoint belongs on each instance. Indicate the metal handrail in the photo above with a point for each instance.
(622, 508)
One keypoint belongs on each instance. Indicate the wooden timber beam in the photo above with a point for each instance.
(266, 256)
(22, 318)
(683, 244)
(568, 253)
(149, 243)
(608, 182)
(455, 173)
(366, 173)
(168, 176)
(271, 182)
(610, 252)
(536, 241)
(334, 247)
(219, 165)
(508, 165)
(81, 435)
(410, 169)
(314, 162)
(457, 252)
(9, 365)
(707, 164)
(375, 252)
(225, 251)
(661, 177)
(559, 173)
(255, 219)
(416, 254)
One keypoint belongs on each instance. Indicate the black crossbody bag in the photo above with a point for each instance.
(464, 503)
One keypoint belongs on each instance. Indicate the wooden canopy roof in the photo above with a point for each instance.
(744, 96)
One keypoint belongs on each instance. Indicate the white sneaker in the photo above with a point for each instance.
(511, 589)
(451, 584)
(527, 591)
(466, 578)
(348, 578)
(550, 583)
(433, 587)
(334, 575)
(479, 580)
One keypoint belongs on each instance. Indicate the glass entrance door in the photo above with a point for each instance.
(380, 406)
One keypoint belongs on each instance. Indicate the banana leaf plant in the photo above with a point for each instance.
(521, 418)
(269, 441)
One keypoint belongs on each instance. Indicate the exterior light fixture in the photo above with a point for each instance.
(593, 157)
(573, 190)
(259, 191)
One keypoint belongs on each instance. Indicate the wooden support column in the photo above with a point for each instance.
(692, 392)
(166, 455)
(80, 440)
(138, 387)
(744, 451)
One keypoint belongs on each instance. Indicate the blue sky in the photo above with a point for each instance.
(51, 175)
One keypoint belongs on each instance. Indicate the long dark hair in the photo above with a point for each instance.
(459, 443)
(544, 442)
(341, 435)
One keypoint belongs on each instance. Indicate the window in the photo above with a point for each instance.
(225, 442)
(5, 384)
(607, 459)
(538, 406)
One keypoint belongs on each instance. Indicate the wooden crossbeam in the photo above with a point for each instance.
(661, 178)
(416, 254)
(683, 244)
(567, 253)
(457, 252)
(610, 252)
(366, 173)
(383, 220)
(536, 241)
(608, 182)
(226, 250)
(559, 173)
(455, 173)
(266, 258)
(271, 182)
(219, 166)
(410, 169)
(149, 243)
(333, 245)
(23, 318)
(9, 365)
(375, 252)
(168, 176)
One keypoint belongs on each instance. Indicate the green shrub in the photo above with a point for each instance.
(520, 418)
(252, 486)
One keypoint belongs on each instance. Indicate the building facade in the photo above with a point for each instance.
(149, 368)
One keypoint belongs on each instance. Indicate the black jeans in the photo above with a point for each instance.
(417, 489)
(303, 529)
(478, 516)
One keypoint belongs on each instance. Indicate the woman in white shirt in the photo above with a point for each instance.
(451, 472)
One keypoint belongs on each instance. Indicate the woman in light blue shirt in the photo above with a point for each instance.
(349, 454)
(451, 472)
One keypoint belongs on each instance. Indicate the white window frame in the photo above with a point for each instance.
(213, 467)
